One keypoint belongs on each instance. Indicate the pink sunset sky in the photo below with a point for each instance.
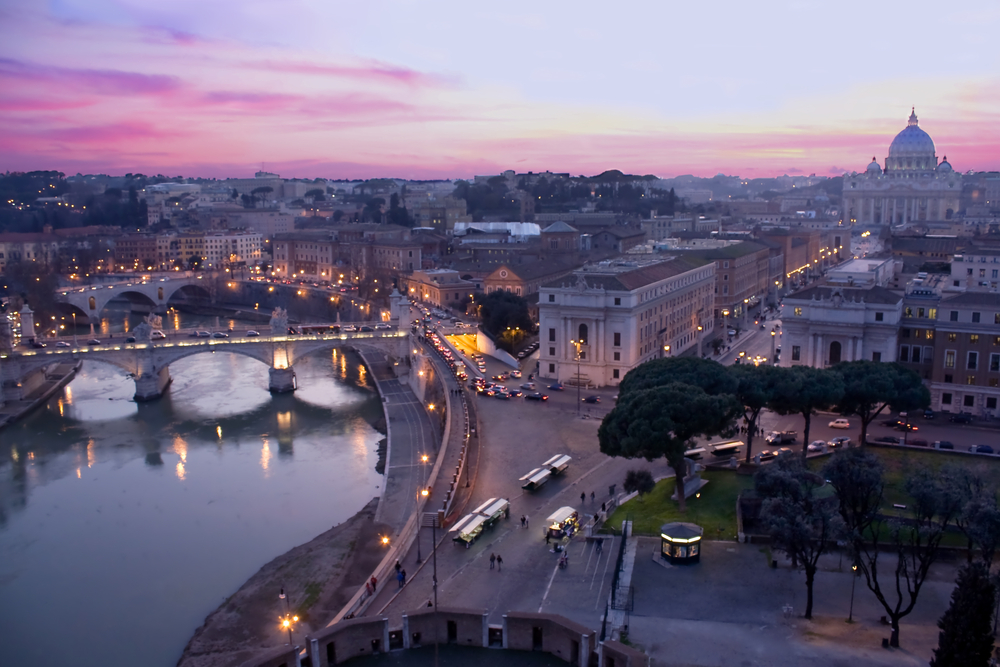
(321, 88)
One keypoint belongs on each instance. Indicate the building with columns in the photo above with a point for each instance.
(617, 315)
(912, 186)
(827, 324)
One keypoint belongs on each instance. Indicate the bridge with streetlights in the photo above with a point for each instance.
(154, 292)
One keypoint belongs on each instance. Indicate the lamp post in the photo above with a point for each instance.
(287, 620)
(725, 321)
(577, 344)
(666, 350)
(74, 329)
(699, 340)
(746, 307)
(854, 579)
(772, 346)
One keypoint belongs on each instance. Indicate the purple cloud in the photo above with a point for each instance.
(103, 82)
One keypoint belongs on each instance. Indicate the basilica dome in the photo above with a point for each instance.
(912, 149)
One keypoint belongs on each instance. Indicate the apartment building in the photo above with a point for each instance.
(965, 374)
(603, 320)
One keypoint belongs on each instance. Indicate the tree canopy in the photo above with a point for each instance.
(710, 376)
(803, 390)
(502, 309)
(870, 387)
(966, 638)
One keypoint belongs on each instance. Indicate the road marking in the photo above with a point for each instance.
(549, 587)
(607, 562)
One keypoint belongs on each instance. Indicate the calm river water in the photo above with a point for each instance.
(123, 525)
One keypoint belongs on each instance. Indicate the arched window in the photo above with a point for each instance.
(583, 334)
(92, 302)
(835, 352)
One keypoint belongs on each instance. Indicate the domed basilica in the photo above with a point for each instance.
(913, 185)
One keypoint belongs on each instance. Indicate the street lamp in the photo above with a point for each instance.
(725, 321)
(666, 350)
(772, 346)
(422, 495)
(854, 578)
(287, 620)
(699, 340)
(577, 344)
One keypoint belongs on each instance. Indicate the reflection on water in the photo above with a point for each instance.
(154, 513)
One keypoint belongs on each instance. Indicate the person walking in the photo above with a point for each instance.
(522, 521)
(592, 496)
(527, 523)
(583, 497)
(493, 560)
(600, 546)
(399, 578)
(374, 583)
(499, 563)
(398, 566)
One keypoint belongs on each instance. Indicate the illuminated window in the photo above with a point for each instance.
(798, 311)
(973, 338)
(949, 359)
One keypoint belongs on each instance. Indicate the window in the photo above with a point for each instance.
(552, 335)
(948, 378)
(954, 316)
(725, 276)
(552, 298)
(973, 361)
(618, 301)
(796, 353)
(876, 356)
(952, 337)
(928, 354)
(798, 312)
(932, 313)
(995, 363)
(904, 352)
(725, 265)
(904, 333)
(982, 273)
(970, 379)
(991, 403)
(552, 351)
(618, 356)
(552, 368)
(969, 400)
(945, 399)
(996, 316)
(907, 312)
(975, 318)
(996, 341)
(973, 338)
(915, 356)
(618, 339)
(614, 373)
(879, 316)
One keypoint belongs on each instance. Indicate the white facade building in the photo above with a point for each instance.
(827, 324)
(616, 316)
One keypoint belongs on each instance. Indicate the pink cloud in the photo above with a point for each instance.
(104, 82)
(374, 71)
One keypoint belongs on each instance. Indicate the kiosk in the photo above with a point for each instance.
(680, 543)
(467, 529)
(564, 522)
(493, 509)
(557, 464)
(535, 479)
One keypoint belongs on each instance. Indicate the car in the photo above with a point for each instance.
(928, 414)
(500, 377)
(839, 423)
(903, 426)
(349, 328)
(37, 344)
(731, 332)
(220, 334)
(367, 329)
(93, 341)
(130, 339)
(502, 395)
(961, 418)
(817, 446)
(515, 374)
(204, 334)
(383, 326)
(981, 449)
(781, 437)
(530, 386)
(521, 355)
(252, 333)
(840, 441)
(943, 444)
(63, 343)
(555, 386)
(515, 393)
(887, 439)
(158, 335)
(591, 399)
(536, 396)
(193, 334)
(292, 331)
(769, 454)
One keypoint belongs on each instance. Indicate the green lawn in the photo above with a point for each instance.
(715, 510)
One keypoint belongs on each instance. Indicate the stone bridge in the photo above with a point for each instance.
(148, 363)
(154, 292)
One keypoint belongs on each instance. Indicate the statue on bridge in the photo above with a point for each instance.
(279, 321)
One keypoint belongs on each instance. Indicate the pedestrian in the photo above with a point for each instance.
(368, 588)
(374, 583)
(493, 560)
(400, 577)
(546, 538)
(611, 489)
(591, 496)
(583, 497)
(604, 507)
(522, 521)
(499, 563)
(600, 545)
(398, 567)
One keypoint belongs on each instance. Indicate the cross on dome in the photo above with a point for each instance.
(913, 117)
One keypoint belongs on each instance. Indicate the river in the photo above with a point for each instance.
(123, 525)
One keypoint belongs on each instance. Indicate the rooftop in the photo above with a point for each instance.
(857, 294)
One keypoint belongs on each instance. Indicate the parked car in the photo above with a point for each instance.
(130, 339)
(887, 439)
(203, 334)
(981, 449)
(817, 446)
(350, 328)
(535, 396)
(943, 444)
(158, 335)
(591, 399)
(367, 329)
(928, 414)
(961, 418)
(220, 334)
(555, 386)
(840, 422)
(383, 326)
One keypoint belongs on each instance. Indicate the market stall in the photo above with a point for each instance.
(681, 542)
(557, 464)
(467, 529)
(564, 522)
(535, 479)
(493, 509)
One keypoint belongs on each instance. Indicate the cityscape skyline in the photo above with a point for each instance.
(392, 89)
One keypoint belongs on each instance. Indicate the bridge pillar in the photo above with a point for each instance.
(150, 382)
(281, 380)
